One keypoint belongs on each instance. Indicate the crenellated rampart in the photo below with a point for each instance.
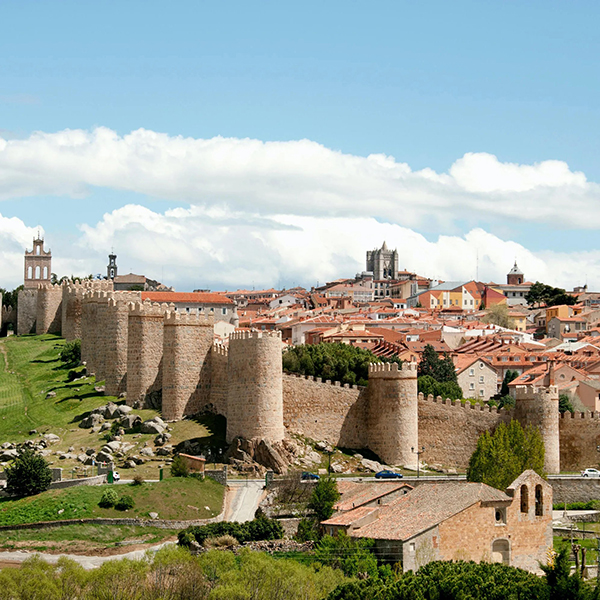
(579, 440)
(48, 309)
(219, 380)
(187, 342)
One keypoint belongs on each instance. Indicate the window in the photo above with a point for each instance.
(45, 273)
(481, 365)
(471, 372)
(481, 378)
(500, 514)
(524, 499)
(471, 386)
(411, 547)
(37, 272)
(539, 501)
(223, 311)
(29, 272)
(482, 393)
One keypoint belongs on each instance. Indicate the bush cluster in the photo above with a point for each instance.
(111, 499)
(71, 353)
(261, 528)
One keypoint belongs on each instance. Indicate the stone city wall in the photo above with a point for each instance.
(145, 353)
(116, 332)
(26, 311)
(579, 440)
(255, 396)
(187, 341)
(449, 429)
(320, 410)
(393, 415)
(219, 379)
(48, 309)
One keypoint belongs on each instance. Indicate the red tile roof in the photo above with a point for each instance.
(186, 297)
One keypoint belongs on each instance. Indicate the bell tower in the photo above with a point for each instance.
(38, 264)
(111, 270)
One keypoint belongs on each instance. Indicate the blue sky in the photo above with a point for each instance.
(424, 83)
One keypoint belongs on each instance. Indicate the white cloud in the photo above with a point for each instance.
(300, 178)
(15, 236)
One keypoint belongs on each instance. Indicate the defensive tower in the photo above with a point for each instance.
(145, 354)
(48, 309)
(255, 390)
(187, 342)
(393, 412)
(538, 406)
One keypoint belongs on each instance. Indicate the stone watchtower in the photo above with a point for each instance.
(538, 406)
(255, 390)
(383, 263)
(515, 276)
(393, 413)
(111, 269)
(38, 265)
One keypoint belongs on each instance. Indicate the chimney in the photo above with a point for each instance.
(551, 373)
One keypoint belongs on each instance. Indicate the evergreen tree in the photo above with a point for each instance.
(565, 404)
(29, 474)
(323, 498)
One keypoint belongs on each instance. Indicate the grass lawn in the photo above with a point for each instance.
(173, 498)
(85, 537)
(30, 368)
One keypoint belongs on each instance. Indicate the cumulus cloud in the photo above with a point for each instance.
(15, 236)
(300, 178)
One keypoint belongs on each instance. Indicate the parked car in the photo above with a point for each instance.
(387, 474)
(590, 473)
(307, 476)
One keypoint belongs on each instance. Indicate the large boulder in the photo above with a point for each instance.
(129, 422)
(371, 465)
(9, 454)
(269, 456)
(122, 410)
(51, 438)
(104, 457)
(152, 426)
(94, 420)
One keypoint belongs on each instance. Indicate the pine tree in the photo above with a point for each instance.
(29, 475)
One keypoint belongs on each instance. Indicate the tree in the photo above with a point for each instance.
(500, 457)
(429, 386)
(353, 557)
(323, 498)
(540, 293)
(71, 353)
(441, 369)
(508, 377)
(565, 404)
(498, 315)
(10, 299)
(29, 474)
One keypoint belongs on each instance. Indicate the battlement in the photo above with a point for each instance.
(189, 319)
(465, 404)
(118, 303)
(580, 415)
(220, 349)
(149, 309)
(533, 392)
(48, 287)
(327, 382)
(408, 370)
(254, 335)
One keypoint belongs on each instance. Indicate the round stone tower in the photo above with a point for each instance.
(538, 406)
(393, 413)
(187, 343)
(255, 390)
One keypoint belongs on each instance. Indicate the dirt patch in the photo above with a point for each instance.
(80, 547)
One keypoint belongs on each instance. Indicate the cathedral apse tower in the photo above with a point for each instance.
(383, 263)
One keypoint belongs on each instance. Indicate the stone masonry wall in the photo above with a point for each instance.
(392, 418)
(255, 396)
(579, 438)
(219, 380)
(145, 351)
(325, 411)
(116, 331)
(48, 309)
(72, 298)
(89, 330)
(187, 343)
(26, 311)
(449, 430)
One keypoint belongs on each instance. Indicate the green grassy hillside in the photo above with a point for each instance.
(30, 368)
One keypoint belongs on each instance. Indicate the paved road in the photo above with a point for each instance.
(244, 499)
(87, 562)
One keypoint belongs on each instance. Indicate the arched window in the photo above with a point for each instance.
(29, 272)
(37, 272)
(37, 250)
(524, 499)
(539, 501)
(45, 272)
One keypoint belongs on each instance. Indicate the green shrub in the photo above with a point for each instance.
(179, 467)
(138, 480)
(125, 503)
(260, 528)
(71, 353)
(109, 499)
